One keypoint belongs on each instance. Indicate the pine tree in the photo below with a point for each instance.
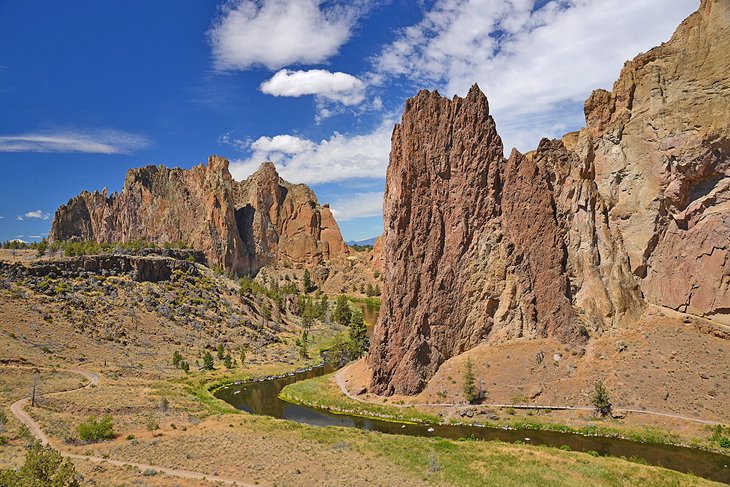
(370, 291)
(176, 359)
(220, 351)
(342, 313)
(302, 343)
(207, 361)
(309, 314)
(600, 399)
(470, 391)
(323, 307)
(358, 334)
(228, 361)
(307, 281)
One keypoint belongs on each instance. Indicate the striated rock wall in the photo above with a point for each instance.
(571, 239)
(240, 226)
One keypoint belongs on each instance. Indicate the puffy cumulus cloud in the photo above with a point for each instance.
(277, 33)
(358, 205)
(89, 141)
(341, 157)
(341, 87)
(36, 214)
(530, 59)
(284, 144)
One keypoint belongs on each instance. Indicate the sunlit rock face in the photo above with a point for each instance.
(240, 226)
(571, 239)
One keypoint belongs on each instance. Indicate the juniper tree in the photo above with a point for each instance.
(600, 399)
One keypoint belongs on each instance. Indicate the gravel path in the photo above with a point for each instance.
(93, 378)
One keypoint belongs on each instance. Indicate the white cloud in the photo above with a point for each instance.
(2, 217)
(341, 87)
(358, 205)
(277, 33)
(36, 214)
(19, 218)
(285, 144)
(338, 158)
(35, 236)
(89, 141)
(529, 62)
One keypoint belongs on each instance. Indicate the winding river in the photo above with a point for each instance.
(261, 397)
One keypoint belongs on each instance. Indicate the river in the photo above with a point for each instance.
(262, 398)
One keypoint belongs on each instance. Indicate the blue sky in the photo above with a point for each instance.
(89, 89)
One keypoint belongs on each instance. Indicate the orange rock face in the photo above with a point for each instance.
(572, 239)
(241, 226)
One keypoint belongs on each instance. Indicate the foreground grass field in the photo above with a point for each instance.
(199, 435)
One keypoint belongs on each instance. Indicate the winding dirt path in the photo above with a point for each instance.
(17, 409)
(341, 382)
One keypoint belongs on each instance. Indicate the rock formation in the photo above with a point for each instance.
(571, 239)
(240, 226)
(148, 268)
(661, 148)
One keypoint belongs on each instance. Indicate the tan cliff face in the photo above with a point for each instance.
(661, 147)
(572, 239)
(240, 226)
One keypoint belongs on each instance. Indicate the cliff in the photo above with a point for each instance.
(572, 239)
(240, 226)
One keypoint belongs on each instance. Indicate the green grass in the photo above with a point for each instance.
(322, 392)
(440, 461)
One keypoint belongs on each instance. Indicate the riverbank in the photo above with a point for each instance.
(325, 393)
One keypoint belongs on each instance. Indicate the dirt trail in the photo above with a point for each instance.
(17, 409)
(340, 381)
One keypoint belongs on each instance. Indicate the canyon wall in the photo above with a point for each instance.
(240, 226)
(569, 240)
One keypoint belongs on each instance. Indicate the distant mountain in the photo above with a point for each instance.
(367, 241)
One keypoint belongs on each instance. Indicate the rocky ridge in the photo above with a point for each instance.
(240, 226)
(568, 241)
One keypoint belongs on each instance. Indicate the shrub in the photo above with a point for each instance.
(43, 466)
(152, 423)
(93, 430)
(725, 442)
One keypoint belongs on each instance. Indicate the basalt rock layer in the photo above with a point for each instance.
(240, 226)
(569, 240)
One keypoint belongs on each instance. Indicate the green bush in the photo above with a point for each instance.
(43, 466)
(600, 399)
(93, 430)
(725, 442)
